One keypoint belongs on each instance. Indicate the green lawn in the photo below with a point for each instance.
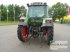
(7, 23)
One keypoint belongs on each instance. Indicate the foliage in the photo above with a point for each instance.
(13, 11)
(59, 10)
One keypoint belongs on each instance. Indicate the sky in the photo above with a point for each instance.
(24, 2)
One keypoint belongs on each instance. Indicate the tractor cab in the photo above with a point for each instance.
(36, 13)
(37, 10)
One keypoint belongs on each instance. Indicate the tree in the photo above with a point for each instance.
(3, 12)
(13, 12)
(17, 11)
(59, 10)
(23, 11)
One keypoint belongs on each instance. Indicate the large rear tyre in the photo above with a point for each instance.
(19, 34)
(49, 36)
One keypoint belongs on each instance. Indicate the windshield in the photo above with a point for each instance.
(36, 11)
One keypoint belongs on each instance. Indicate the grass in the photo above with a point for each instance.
(7, 23)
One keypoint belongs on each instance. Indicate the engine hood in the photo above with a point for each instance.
(36, 21)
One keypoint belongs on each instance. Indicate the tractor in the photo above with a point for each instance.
(36, 24)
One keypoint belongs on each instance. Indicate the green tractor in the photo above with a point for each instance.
(37, 23)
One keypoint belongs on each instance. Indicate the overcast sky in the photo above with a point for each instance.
(24, 2)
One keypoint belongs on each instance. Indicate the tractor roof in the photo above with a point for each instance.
(37, 4)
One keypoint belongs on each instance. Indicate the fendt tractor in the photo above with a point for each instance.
(36, 24)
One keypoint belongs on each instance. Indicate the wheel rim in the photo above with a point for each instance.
(24, 34)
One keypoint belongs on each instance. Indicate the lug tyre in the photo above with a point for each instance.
(49, 36)
(19, 33)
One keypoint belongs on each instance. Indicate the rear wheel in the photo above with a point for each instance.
(49, 36)
(19, 33)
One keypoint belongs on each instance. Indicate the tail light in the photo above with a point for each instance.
(48, 21)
